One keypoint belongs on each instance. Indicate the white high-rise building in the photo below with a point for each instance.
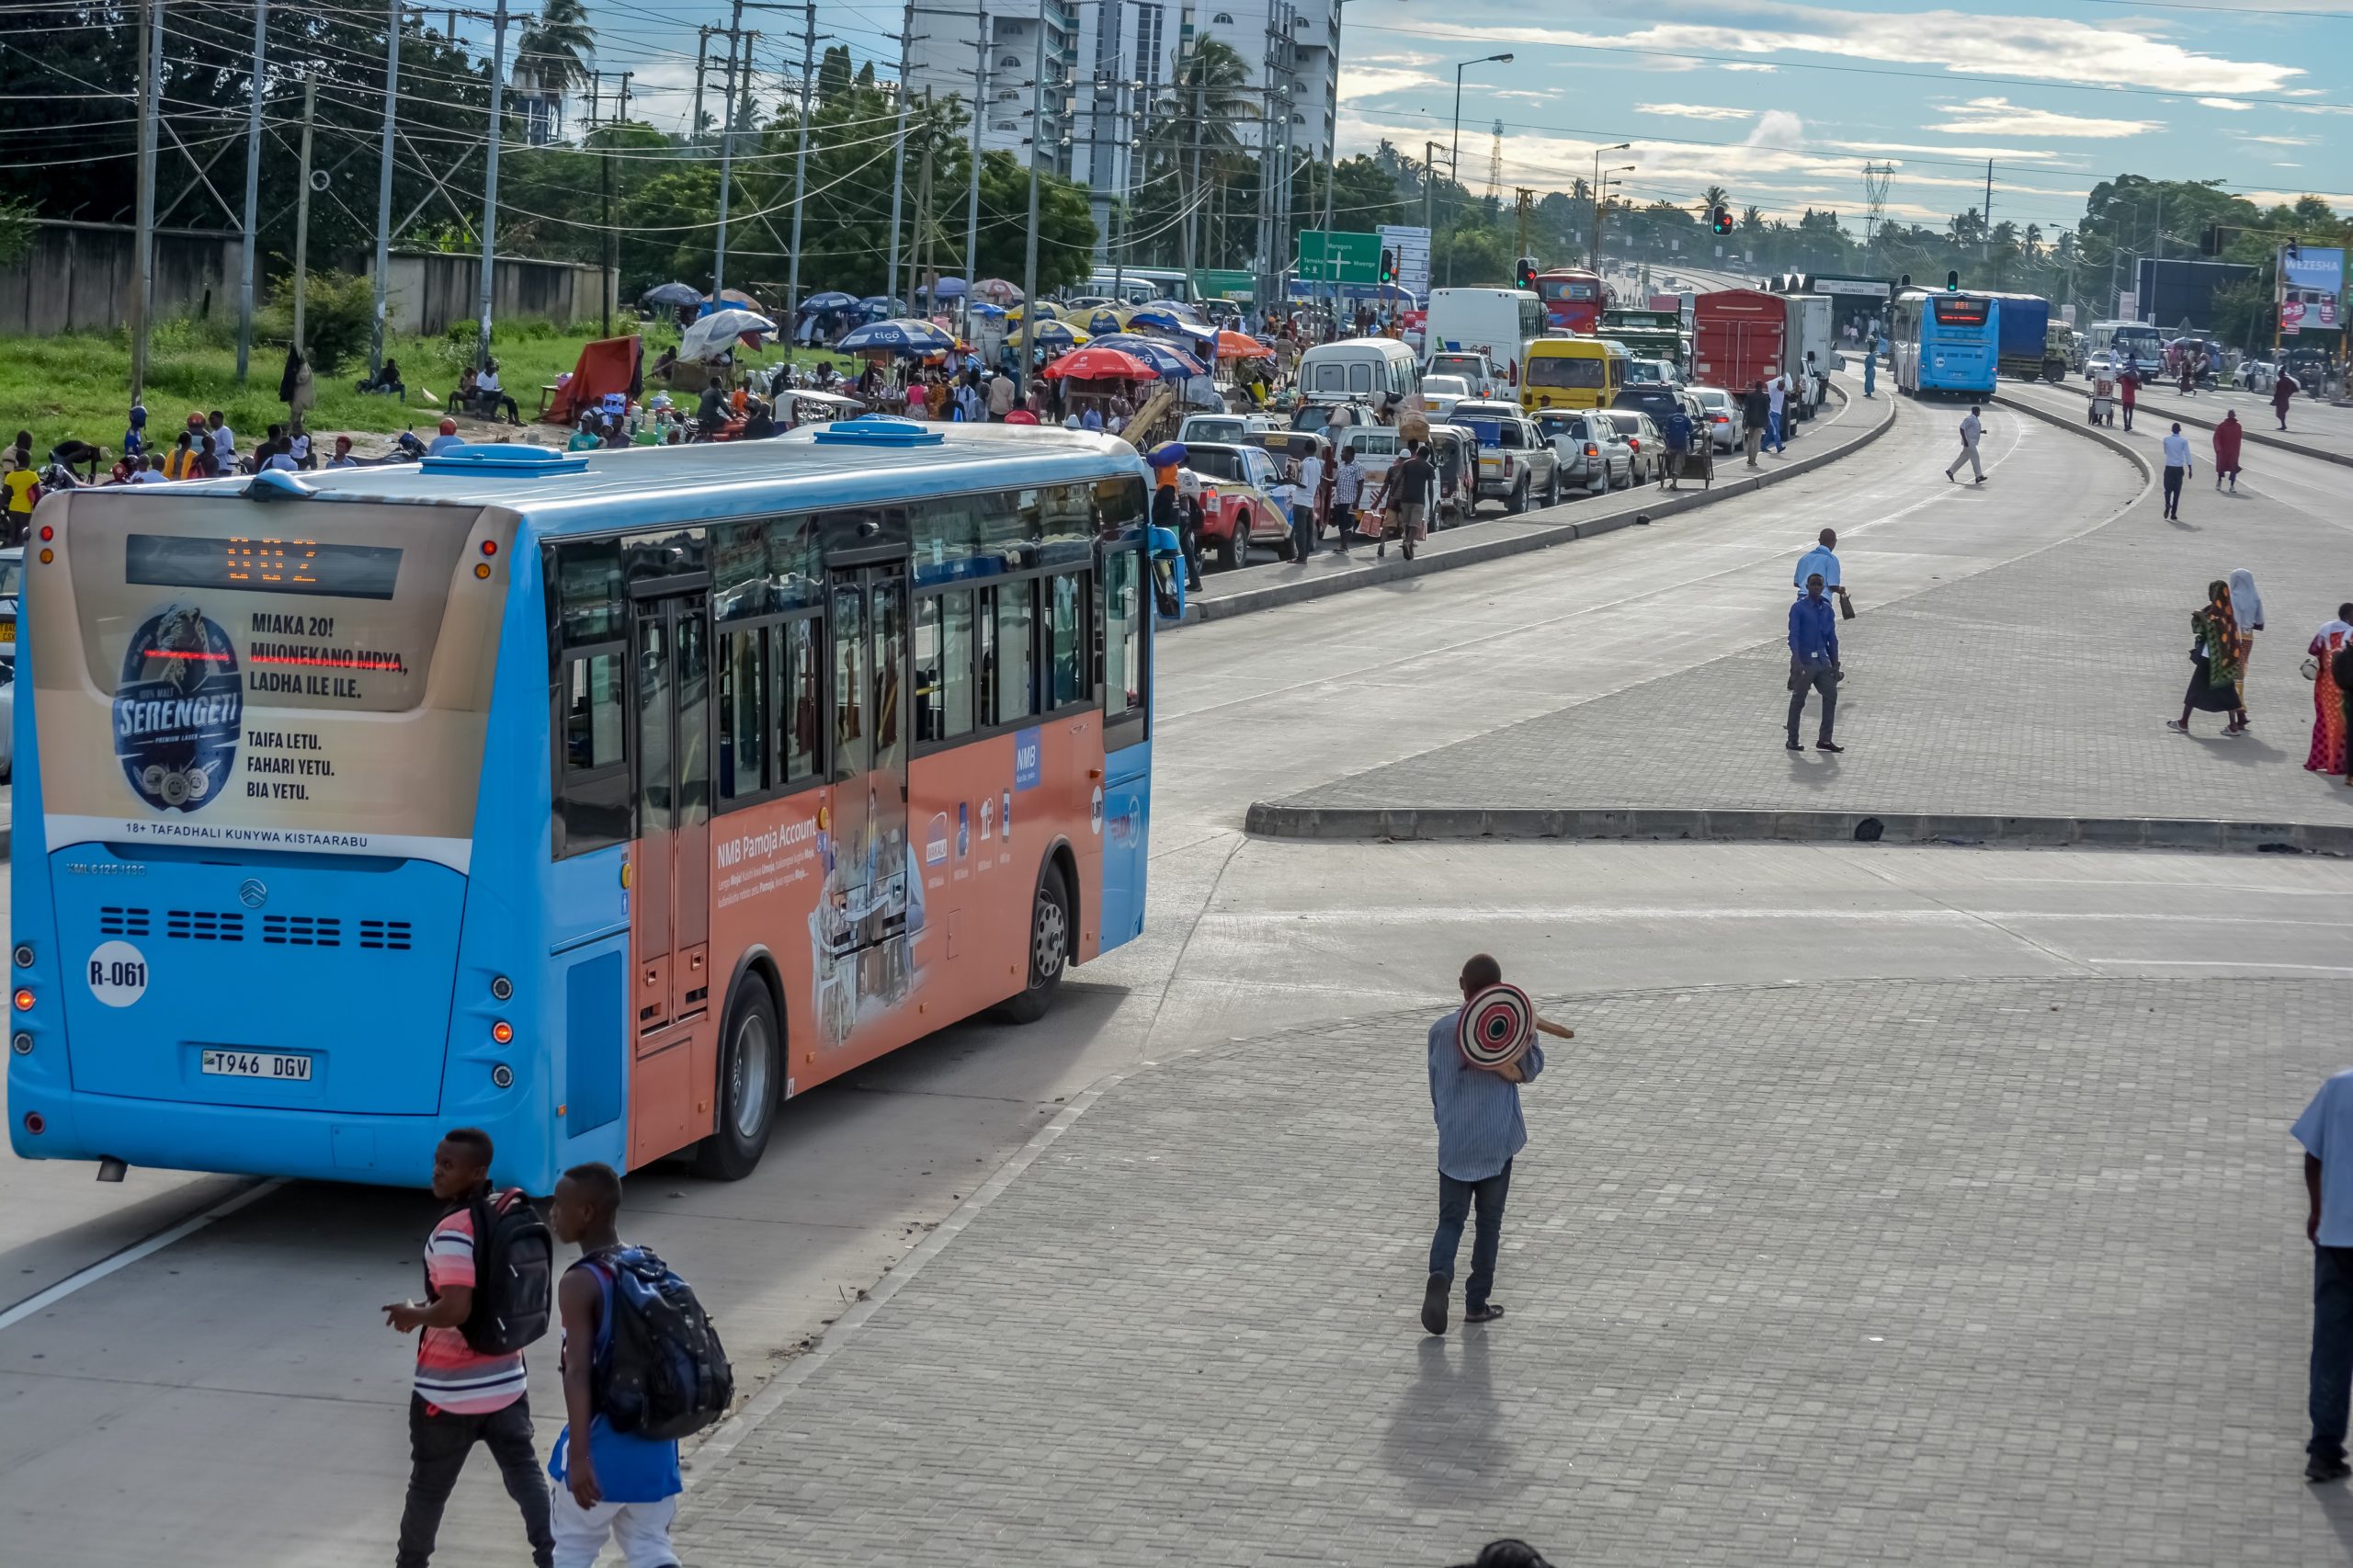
(1108, 67)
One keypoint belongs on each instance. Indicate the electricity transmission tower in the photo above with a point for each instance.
(1876, 177)
(1496, 171)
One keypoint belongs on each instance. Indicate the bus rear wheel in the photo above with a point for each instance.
(1049, 951)
(748, 1058)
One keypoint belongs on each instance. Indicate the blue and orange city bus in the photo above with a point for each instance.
(601, 801)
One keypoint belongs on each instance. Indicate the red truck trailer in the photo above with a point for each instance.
(1739, 336)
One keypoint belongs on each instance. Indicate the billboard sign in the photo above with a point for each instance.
(2292, 317)
(1411, 244)
(2318, 267)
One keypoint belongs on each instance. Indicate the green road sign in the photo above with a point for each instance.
(1328, 255)
(1224, 283)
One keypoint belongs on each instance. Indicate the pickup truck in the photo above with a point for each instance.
(1515, 463)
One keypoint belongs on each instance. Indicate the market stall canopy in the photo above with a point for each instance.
(997, 290)
(736, 298)
(1101, 365)
(881, 305)
(1052, 334)
(608, 365)
(901, 335)
(671, 295)
(1046, 309)
(831, 299)
(1168, 318)
(713, 334)
(1099, 320)
(1168, 361)
(1242, 346)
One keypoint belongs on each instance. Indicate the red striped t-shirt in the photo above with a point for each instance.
(452, 1375)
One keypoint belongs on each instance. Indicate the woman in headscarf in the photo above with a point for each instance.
(2246, 605)
(2217, 659)
(2327, 755)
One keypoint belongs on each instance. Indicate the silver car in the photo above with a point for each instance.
(1642, 436)
(1592, 451)
(1725, 424)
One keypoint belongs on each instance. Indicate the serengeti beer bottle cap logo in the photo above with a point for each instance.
(177, 710)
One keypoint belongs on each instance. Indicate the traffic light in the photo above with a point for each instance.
(1388, 266)
(1720, 221)
(1525, 273)
(1952, 282)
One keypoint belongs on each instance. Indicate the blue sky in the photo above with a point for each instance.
(1783, 103)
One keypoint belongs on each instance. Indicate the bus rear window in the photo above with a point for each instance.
(1960, 309)
(1563, 370)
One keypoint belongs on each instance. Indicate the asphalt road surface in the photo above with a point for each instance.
(232, 1399)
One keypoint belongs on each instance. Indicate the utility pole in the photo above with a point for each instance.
(899, 163)
(303, 211)
(596, 121)
(142, 287)
(973, 194)
(1985, 236)
(384, 195)
(490, 183)
(702, 67)
(253, 191)
(800, 163)
(1527, 199)
(1029, 257)
(726, 155)
(923, 205)
(1429, 211)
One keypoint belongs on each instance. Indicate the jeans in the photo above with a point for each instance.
(2332, 1349)
(2174, 477)
(439, 1442)
(1813, 677)
(1773, 432)
(2128, 415)
(1455, 1202)
(1303, 530)
(1870, 374)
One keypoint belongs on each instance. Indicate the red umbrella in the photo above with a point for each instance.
(1101, 365)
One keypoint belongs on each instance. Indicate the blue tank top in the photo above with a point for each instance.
(630, 1469)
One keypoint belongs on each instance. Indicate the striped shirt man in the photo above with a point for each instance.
(452, 1375)
(1479, 1124)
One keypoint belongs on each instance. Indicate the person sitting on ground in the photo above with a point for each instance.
(385, 382)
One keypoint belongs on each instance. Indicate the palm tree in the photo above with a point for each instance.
(552, 54)
(1196, 139)
(1752, 219)
(1715, 196)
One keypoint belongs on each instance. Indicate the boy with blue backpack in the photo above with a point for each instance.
(641, 1369)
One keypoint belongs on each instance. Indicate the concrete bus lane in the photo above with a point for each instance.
(234, 1398)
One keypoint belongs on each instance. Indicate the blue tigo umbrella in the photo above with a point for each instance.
(982, 307)
(672, 295)
(947, 288)
(879, 305)
(916, 338)
(831, 299)
(1169, 363)
(1167, 318)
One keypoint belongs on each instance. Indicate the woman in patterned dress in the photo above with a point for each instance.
(2329, 699)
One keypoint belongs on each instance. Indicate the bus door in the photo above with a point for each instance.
(670, 877)
(865, 884)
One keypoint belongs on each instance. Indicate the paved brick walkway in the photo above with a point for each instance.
(1947, 1273)
(2040, 687)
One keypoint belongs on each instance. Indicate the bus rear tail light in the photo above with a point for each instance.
(503, 1032)
(24, 999)
(1591, 450)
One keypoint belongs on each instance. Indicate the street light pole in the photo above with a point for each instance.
(1592, 252)
(1029, 254)
(1454, 147)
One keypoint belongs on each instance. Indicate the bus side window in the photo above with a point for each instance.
(1008, 653)
(1068, 665)
(746, 744)
(1123, 636)
(592, 781)
(793, 655)
(943, 661)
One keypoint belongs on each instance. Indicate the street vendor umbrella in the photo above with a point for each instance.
(1167, 318)
(672, 295)
(1494, 1027)
(1166, 455)
(987, 312)
(947, 288)
(880, 305)
(998, 291)
(1100, 365)
(901, 336)
(1050, 334)
(1046, 309)
(713, 334)
(1242, 346)
(831, 299)
(735, 297)
(1101, 320)
(1168, 361)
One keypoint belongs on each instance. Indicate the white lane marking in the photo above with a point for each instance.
(2224, 963)
(1619, 913)
(42, 1301)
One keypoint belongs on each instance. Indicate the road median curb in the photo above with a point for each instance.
(1268, 819)
(1302, 589)
(2259, 437)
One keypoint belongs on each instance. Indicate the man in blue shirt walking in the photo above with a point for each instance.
(1813, 662)
(1479, 1130)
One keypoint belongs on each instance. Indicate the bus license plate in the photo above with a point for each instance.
(256, 1065)
(7, 631)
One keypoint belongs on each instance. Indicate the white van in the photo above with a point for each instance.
(1497, 322)
(1360, 369)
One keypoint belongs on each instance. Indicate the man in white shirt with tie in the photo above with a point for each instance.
(1970, 429)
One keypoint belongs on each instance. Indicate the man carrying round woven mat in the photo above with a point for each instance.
(1479, 1056)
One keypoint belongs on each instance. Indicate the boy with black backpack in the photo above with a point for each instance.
(486, 1267)
(641, 1369)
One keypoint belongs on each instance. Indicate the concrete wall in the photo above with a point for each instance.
(78, 278)
(430, 289)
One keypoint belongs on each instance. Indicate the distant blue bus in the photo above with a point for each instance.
(1946, 342)
(599, 800)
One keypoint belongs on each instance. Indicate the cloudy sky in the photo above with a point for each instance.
(1782, 104)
